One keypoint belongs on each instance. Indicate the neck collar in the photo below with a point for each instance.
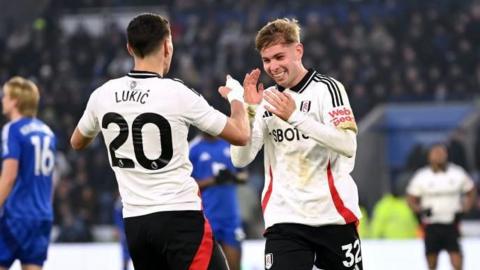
(304, 82)
(140, 74)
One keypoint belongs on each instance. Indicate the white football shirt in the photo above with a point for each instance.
(440, 191)
(144, 119)
(305, 182)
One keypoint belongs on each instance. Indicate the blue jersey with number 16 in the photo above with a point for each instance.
(33, 144)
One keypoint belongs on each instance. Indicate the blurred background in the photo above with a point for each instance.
(411, 70)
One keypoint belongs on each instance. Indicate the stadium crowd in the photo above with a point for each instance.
(383, 51)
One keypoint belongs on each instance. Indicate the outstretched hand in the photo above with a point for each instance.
(232, 89)
(253, 95)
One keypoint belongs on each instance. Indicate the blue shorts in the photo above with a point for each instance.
(24, 239)
(227, 232)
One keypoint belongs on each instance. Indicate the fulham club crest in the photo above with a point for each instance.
(305, 106)
(133, 84)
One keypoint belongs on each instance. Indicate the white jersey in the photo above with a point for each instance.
(305, 182)
(440, 191)
(144, 120)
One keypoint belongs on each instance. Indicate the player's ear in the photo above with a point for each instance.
(167, 46)
(130, 50)
(299, 50)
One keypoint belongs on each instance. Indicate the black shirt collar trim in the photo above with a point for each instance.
(302, 84)
(140, 74)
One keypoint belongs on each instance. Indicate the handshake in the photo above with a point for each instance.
(225, 176)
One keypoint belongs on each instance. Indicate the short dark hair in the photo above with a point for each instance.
(145, 32)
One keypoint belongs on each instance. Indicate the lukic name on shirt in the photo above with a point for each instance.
(134, 95)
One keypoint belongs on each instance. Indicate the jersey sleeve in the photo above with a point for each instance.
(336, 106)
(204, 116)
(10, 142)
(414, 188)
(88, 124)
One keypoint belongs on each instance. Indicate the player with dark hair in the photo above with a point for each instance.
(144, 118)
(439, 194)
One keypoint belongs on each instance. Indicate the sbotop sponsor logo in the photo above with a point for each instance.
(289, 134)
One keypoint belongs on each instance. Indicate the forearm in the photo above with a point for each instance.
(240, 116)
(342, 141)
(237, 129)
(78, 141)
(7, 178)
(469, 200)
(414, 203)
(6, 186)
(204, 183)
(242, 155)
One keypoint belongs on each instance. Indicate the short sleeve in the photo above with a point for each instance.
(204, 116)
(11, 145)
(88, 124)
(414, 187)
(336, 110)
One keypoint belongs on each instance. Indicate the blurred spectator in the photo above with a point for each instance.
(393, 219)
(364, 225)
(74, 229)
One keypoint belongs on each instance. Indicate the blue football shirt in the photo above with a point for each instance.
(33, 144)
(208, 157)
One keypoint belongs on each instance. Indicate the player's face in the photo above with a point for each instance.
(283, 62)
(7, 103)
(438, 155)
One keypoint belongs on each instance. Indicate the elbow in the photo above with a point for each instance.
(239, 156)
(352, 146)
(75, 144)
(349, 153)
(241, 140)
(238, 163)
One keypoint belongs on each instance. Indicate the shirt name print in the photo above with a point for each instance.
(133, 95)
